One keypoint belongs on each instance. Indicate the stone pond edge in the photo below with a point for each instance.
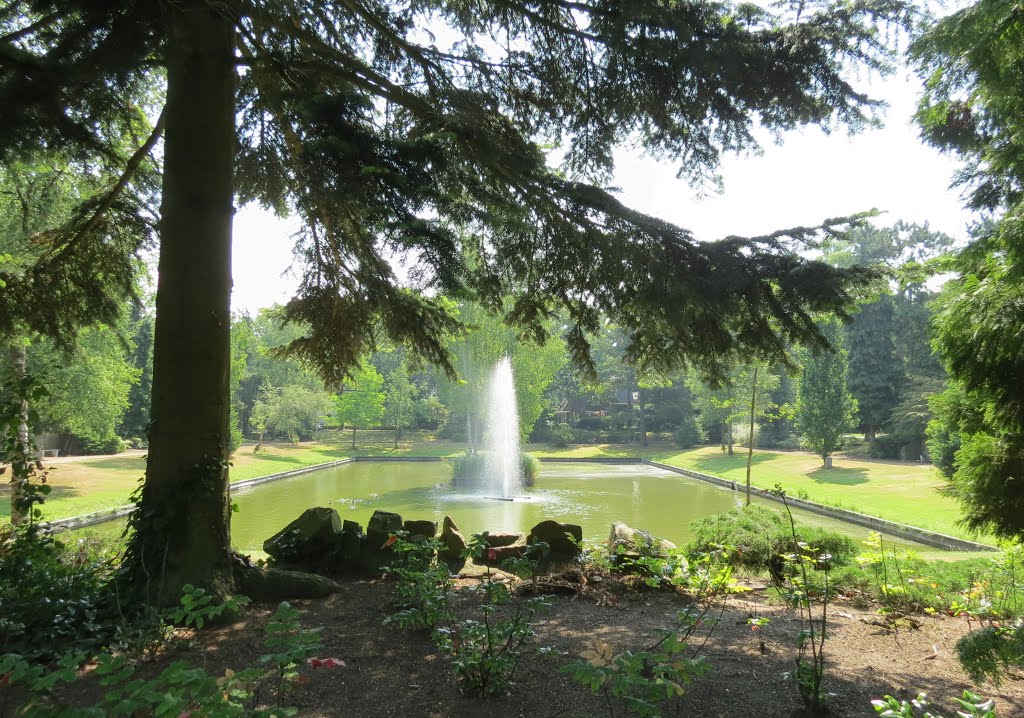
(892, 528)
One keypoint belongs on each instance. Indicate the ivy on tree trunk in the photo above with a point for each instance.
(183, 528)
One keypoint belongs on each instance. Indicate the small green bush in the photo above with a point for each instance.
(758, 535)
(108, 445)
(992, 652)
(468, 467)
(886, 446)
(690, 433)
(54, 597)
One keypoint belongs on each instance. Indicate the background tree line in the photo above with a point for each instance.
(100, 385)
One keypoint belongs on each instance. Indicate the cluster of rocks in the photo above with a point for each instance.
(321, 542)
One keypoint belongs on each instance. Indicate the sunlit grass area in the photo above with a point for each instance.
(899, 491)
(88, 484)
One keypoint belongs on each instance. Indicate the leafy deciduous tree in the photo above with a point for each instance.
(399, 398)
(825, 408)
(294, 410)
(361, 403)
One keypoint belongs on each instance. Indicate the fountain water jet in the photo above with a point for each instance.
(502, 465)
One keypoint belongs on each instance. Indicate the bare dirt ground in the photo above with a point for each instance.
(391, 672)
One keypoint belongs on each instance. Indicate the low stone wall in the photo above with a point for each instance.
(91, 519)
(287, 474)
(891, 528)
(591, 460)
(394, 459)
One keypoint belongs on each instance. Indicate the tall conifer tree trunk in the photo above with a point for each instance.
(18, 361)
(184, 526)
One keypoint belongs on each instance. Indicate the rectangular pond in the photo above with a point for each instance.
(590, 494)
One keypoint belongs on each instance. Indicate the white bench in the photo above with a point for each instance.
(49, 452)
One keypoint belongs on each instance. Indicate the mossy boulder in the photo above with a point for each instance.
(557, 536)
(274, 584)
(423, 529)
(307, 540)
(634, 543)
(501, 546)
(453, 543)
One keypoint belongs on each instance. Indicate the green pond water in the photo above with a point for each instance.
(590, 494)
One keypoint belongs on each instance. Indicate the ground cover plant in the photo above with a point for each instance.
(483, 637)
(758, 535)
(259, 691)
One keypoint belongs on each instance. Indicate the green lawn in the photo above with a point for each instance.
(900, 491)
(104, 482)
(906, 492)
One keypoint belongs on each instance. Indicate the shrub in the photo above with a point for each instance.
(531, 467)
(54, 598)
(467, 467)
(107, 445)
(585, 436)
(991, 652)
(560, 435)
(886, 446)
(690, 433)
(758, 535)
(792, 442)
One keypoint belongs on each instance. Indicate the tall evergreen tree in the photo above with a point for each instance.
(135, 422)
(974, 106)
(387, 143)
(875, 372)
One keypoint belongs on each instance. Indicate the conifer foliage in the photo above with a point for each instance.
(974, 106)
(414, 129)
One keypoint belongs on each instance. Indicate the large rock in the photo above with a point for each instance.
(272, 584)
(453, 543)
(376, 552)
(556, 536)
(424, 529)
(636, 542)
(382, 525)
(307, 539)
(501, 546)
(350, 546)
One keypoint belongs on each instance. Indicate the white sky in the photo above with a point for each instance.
(810, 177)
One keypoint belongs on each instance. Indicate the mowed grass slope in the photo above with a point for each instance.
(902, 491)
(906, 492)
(86, 484)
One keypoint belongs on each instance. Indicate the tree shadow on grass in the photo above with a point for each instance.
(716, 464)
(322, 456)
(595, 451)
(57, 491)
(840, 476)
(105, 462)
